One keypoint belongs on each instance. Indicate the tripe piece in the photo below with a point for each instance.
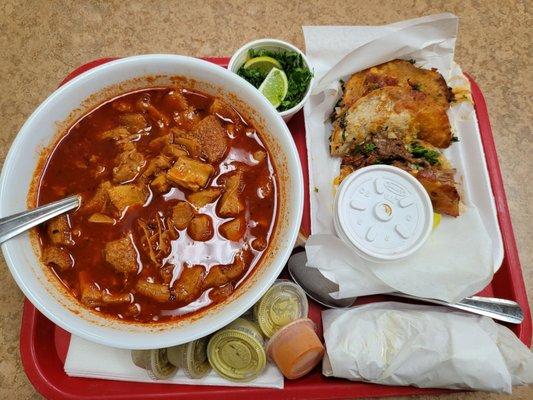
(58, 257)
(204, 197)
(123, 196)
(121, 254)
(220, 275)
(133, 122)
(58, 230)
(156, 291)
(92, 296)
(182, 213)
(224, 111)
(231, 203)
(234, 229)
(190, 174)
(99, 218)
(128, 164)
(188, 286)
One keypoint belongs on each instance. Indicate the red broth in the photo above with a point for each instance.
(179, 200)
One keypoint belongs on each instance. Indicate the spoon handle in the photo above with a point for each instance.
(15, 224)
(499, 309)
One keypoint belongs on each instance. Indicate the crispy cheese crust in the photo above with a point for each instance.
(397, 73)
(384, 112)
(403, 112)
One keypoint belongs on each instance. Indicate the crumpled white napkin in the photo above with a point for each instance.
(90, 360)
(463, 253)
(431, 37)
(425, 346)
(452, 264)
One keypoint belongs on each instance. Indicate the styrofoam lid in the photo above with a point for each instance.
(383, 212)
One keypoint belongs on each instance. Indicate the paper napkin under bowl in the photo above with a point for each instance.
(90, 360)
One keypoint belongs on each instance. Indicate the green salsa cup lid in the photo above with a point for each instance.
(283, 303)
(156, 363)
(140, 358)
(236, 355)
(160, 367)
(192, 357)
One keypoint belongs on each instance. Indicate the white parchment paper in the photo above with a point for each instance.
(463, 253)
(425, 346)
(434, 271)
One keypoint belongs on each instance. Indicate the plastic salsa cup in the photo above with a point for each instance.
(296, 348)
(192, 357)
(283, 303)
(237, 352)
(155, 362)
(383, 213)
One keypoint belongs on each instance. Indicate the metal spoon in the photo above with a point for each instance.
(319, 288)
(15, 224)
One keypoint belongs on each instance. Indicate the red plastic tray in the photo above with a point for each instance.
(43, 345)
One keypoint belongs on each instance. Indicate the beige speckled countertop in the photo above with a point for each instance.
(40, 42)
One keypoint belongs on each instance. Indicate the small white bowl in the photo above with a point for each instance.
(241, 56)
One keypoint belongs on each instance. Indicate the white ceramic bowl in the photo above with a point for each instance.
(241, 56)
(70, 102)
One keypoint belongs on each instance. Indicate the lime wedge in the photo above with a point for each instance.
(436, 219)
(275, 86)
(262, 64)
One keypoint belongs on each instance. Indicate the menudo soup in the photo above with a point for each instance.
(178, 204)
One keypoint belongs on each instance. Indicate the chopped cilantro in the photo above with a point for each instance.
(356, 149)
(432, 156)
(342, 121)
(316, 189)
(333, 114)
(369, 148)
(254, 76)
(298, 74)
